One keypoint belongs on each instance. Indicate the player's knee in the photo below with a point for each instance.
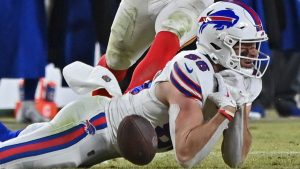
(119, 56)
(120, 52)
(118, 61)
(178, 22)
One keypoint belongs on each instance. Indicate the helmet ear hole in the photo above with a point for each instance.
(229, 41)
(216, 47)
(232, 64)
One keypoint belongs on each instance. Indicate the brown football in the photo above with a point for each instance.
(137, 140)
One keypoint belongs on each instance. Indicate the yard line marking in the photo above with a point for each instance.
(217, 154)
(274, 152)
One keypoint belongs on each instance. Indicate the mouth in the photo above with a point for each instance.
(247, 64)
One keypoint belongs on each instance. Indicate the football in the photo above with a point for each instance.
(137, 140)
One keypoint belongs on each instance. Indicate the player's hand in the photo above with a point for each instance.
(236, 83)
(240, 86)
(223, 98)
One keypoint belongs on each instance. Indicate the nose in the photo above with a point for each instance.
(253, 53)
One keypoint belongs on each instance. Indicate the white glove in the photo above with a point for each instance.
(243, 89)
(223, 97)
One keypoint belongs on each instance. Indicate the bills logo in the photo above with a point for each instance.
(89, 127)
(221, 19)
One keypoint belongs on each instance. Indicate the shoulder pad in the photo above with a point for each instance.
(187, 74)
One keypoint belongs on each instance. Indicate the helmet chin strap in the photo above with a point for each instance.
(247, 72)
(250, 71)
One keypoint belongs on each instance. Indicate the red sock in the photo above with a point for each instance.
(163, 49)
(119, 74)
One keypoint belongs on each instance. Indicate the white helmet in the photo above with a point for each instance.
(225, 24)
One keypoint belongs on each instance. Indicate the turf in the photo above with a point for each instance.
(276, 145)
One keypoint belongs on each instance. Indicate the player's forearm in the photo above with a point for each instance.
(199, 141)
(247, 133)
(237, 140)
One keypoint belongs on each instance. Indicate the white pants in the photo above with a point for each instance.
(78, 136)
(137, 22)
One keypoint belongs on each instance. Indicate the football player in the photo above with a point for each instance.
(197, 96)
(167, 24)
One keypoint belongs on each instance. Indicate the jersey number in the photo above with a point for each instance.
(202, 65)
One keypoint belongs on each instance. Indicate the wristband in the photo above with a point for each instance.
(229, 115)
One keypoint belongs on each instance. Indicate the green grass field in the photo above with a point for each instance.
(276, 145)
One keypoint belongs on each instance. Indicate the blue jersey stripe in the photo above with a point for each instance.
(182, 89)
(187, 80)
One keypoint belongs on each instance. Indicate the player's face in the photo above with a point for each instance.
(247, 50)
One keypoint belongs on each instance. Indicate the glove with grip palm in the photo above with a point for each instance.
(223, 97)
(243, 89)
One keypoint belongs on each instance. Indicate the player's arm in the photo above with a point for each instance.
(237, 138)
(192, 138)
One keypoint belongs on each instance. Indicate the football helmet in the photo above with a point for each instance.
(226, 24)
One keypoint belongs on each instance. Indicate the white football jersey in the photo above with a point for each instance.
(190, 72)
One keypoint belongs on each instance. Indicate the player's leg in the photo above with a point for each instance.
(15, 153)
(163, 48)
(96, 145)
(103, 21)
(131, 34)
(181, 18)
(6, 134)
(175, 25)
(75, 137)
(28, 111)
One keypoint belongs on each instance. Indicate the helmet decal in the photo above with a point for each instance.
(253, 14)
(220, 19)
